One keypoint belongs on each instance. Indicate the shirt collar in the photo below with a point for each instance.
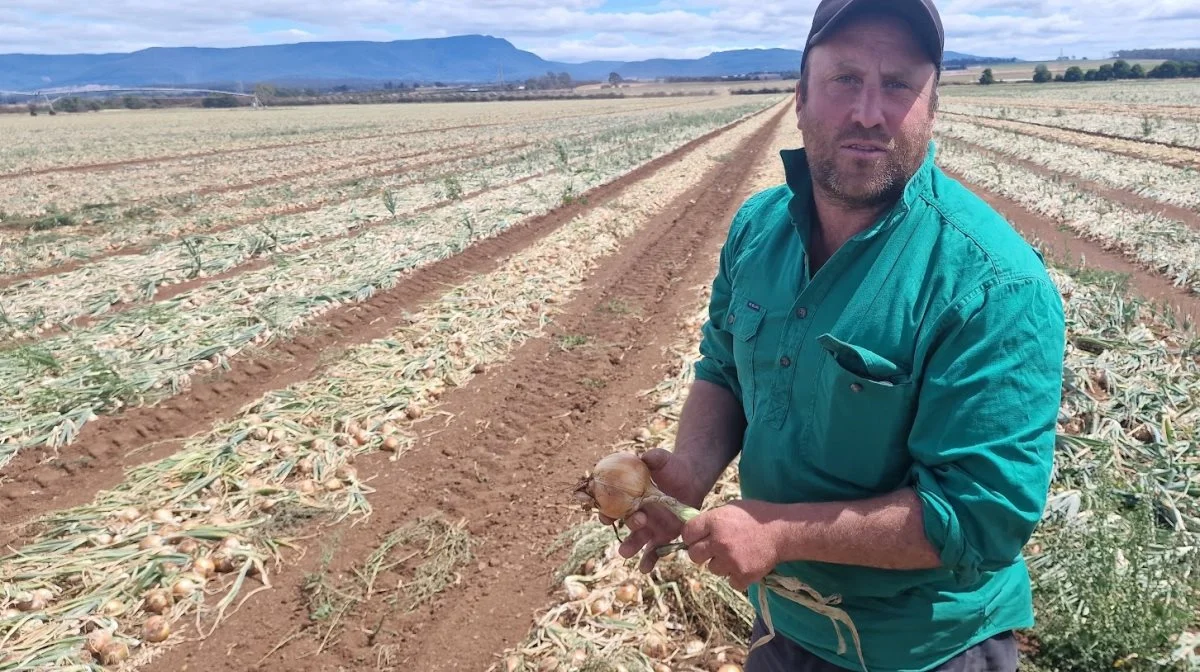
(799, 181)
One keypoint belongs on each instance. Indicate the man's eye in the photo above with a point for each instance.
(845, 79)
(897, 85)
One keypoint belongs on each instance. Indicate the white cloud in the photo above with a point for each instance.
(580, 29)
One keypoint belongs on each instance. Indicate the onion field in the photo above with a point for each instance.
(309, 388)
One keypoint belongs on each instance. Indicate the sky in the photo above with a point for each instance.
(579, 30)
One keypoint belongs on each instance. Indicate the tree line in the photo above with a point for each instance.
(1120, 69)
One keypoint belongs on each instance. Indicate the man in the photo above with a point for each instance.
(885, 354)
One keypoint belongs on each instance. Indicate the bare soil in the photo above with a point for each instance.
(521, 436)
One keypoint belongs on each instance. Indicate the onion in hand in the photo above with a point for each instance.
(621, 484)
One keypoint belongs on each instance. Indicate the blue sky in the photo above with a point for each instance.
(576, 30)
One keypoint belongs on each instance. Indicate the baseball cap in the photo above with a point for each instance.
(921, 15)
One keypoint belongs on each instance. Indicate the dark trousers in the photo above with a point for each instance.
(998, 654)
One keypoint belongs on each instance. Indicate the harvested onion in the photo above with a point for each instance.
(576, 590)
(183, 588)
(627, 593)
(128, 515)
(729, 667)
(223, 562)
(157, 601)
(204, 566)
(115, 653)
(113, 608)
(97, 641)
(156, 629)
(620, 484)
(162, 516)
(655, 645)
(151, 541)
(35, 600)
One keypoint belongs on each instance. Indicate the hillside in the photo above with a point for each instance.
(464, 58)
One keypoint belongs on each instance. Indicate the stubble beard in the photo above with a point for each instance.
(862, 186)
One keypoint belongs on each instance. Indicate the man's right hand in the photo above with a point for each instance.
(654, 525)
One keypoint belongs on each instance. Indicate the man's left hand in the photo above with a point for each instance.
(736, 540)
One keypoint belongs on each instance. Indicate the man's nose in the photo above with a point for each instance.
(868, 107)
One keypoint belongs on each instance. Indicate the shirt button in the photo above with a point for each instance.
(785, 361)
(802, 312)
(855, 387)
(729, 319)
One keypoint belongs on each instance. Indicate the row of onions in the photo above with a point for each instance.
(190, 133)
(242, 186)
(1159, 243)
(1170, 156)
(1128, 430)
(36, 305)
(1146, 177)
(293, 450)
(1121, 122)
(52, 387)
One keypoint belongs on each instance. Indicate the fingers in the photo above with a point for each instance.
(696, 529)
(634, 543)
(656, 458)
(700, 552)
(649, 558)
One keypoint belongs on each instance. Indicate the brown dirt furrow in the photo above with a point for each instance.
(1096, 134)
(1065, 248)
(1179, 158)
(38, 480)
(142, 247)
(521, 437)
(1122, 196)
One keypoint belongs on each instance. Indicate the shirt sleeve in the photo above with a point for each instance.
(984, 433)
(716, 364)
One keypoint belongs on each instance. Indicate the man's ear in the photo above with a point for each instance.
(799, 94)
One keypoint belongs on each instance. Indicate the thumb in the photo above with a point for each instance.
(696, 529)
(656, 458)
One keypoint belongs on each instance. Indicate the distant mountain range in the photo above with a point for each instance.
(459, 59)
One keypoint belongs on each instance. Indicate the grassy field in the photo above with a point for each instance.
(309, 388)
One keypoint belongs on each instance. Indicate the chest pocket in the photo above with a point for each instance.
(744, 322)
(862, 413)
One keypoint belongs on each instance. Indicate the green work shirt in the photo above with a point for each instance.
(926, 353)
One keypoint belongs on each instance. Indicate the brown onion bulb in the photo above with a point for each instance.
(115, 653)
(157, 601)
(204, 566)
(156, 629)
(620, 484)
(97, 641)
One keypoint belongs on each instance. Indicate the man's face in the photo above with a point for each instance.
(868, 114)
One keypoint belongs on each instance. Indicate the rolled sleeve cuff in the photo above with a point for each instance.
(942, 527)
(708, 370)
